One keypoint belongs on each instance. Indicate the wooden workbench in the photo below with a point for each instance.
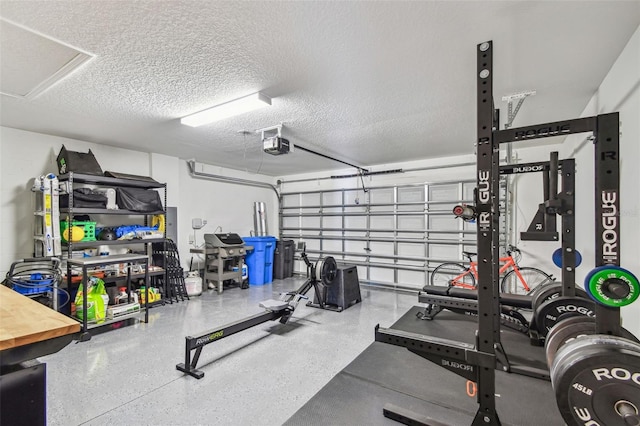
(24, 321)
(28, 330)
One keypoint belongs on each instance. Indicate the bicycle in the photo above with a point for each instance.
(519, 280)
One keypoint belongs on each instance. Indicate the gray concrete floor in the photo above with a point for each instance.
(260, 376)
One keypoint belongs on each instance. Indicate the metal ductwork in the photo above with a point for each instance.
(227, 179)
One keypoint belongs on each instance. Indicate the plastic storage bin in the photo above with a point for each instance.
(260, 259)
(283, 259)
(89, 229)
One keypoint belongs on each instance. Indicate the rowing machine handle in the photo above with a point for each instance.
(304, 257)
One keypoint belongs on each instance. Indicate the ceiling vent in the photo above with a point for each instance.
(33, 62)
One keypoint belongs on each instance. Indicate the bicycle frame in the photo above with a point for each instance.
(508, 261)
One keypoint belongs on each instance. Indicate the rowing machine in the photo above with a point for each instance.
(281, 309)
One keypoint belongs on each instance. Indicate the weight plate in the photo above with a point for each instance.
(557, 257)
(571, 328)
(583, 343)
(328, 270)
(597, 381)
(544, 293)
(555, 310)
(612, 286)
(547, 292)
(565, 331)
(558, 365)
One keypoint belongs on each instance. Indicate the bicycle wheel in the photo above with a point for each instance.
(532, 276)
(452, 274)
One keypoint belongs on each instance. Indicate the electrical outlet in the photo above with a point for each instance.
(190, 239)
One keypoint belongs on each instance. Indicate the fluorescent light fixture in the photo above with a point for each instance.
(227, 109)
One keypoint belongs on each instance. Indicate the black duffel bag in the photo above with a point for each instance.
(138, 200)
(85, 197)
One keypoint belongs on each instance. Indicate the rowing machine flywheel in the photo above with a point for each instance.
(328, 270)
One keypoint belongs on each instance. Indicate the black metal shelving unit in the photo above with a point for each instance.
(72, 180)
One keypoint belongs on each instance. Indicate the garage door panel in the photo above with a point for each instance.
(382, 275)
(332, 222)
(355, 246)
(381, 248)
(312, 199)
(411, 222)
(332, 199)
(355, 222)
(382, 223)
(381, 196)
(411, 195)
(332, 245)
(362, 272)
(444, 252)
(290, 222)
(411, 249)
(291, 200)
(310, 221)
(336, 233)
(467, 190)
(412, 278)
(443, 223)
(312, 244)
(355, 197)
(446, 192)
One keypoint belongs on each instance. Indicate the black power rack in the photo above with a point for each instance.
(478, 362)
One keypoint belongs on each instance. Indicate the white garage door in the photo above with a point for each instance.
(396, 235)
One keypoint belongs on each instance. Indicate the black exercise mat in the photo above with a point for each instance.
(385, 374)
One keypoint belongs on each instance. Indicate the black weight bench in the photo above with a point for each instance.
(463, 301)
(513, 300)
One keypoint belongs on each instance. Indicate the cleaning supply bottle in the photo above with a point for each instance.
(122, 296)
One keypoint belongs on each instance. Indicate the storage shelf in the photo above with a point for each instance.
(114, 278)
(152, 304)
(91, 325)
(87, 210)
(108, 181)
(90, 244)
(72, 180)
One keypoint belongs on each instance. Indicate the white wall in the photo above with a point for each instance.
(227, 207)
(25, 155)
(619, 91)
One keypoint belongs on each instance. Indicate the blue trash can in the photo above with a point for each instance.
(260, 259)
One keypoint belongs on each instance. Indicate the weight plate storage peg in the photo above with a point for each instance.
(612, 286)
(596, 380)
(555, 310)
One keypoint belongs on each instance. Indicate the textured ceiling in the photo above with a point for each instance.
(366, 82)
